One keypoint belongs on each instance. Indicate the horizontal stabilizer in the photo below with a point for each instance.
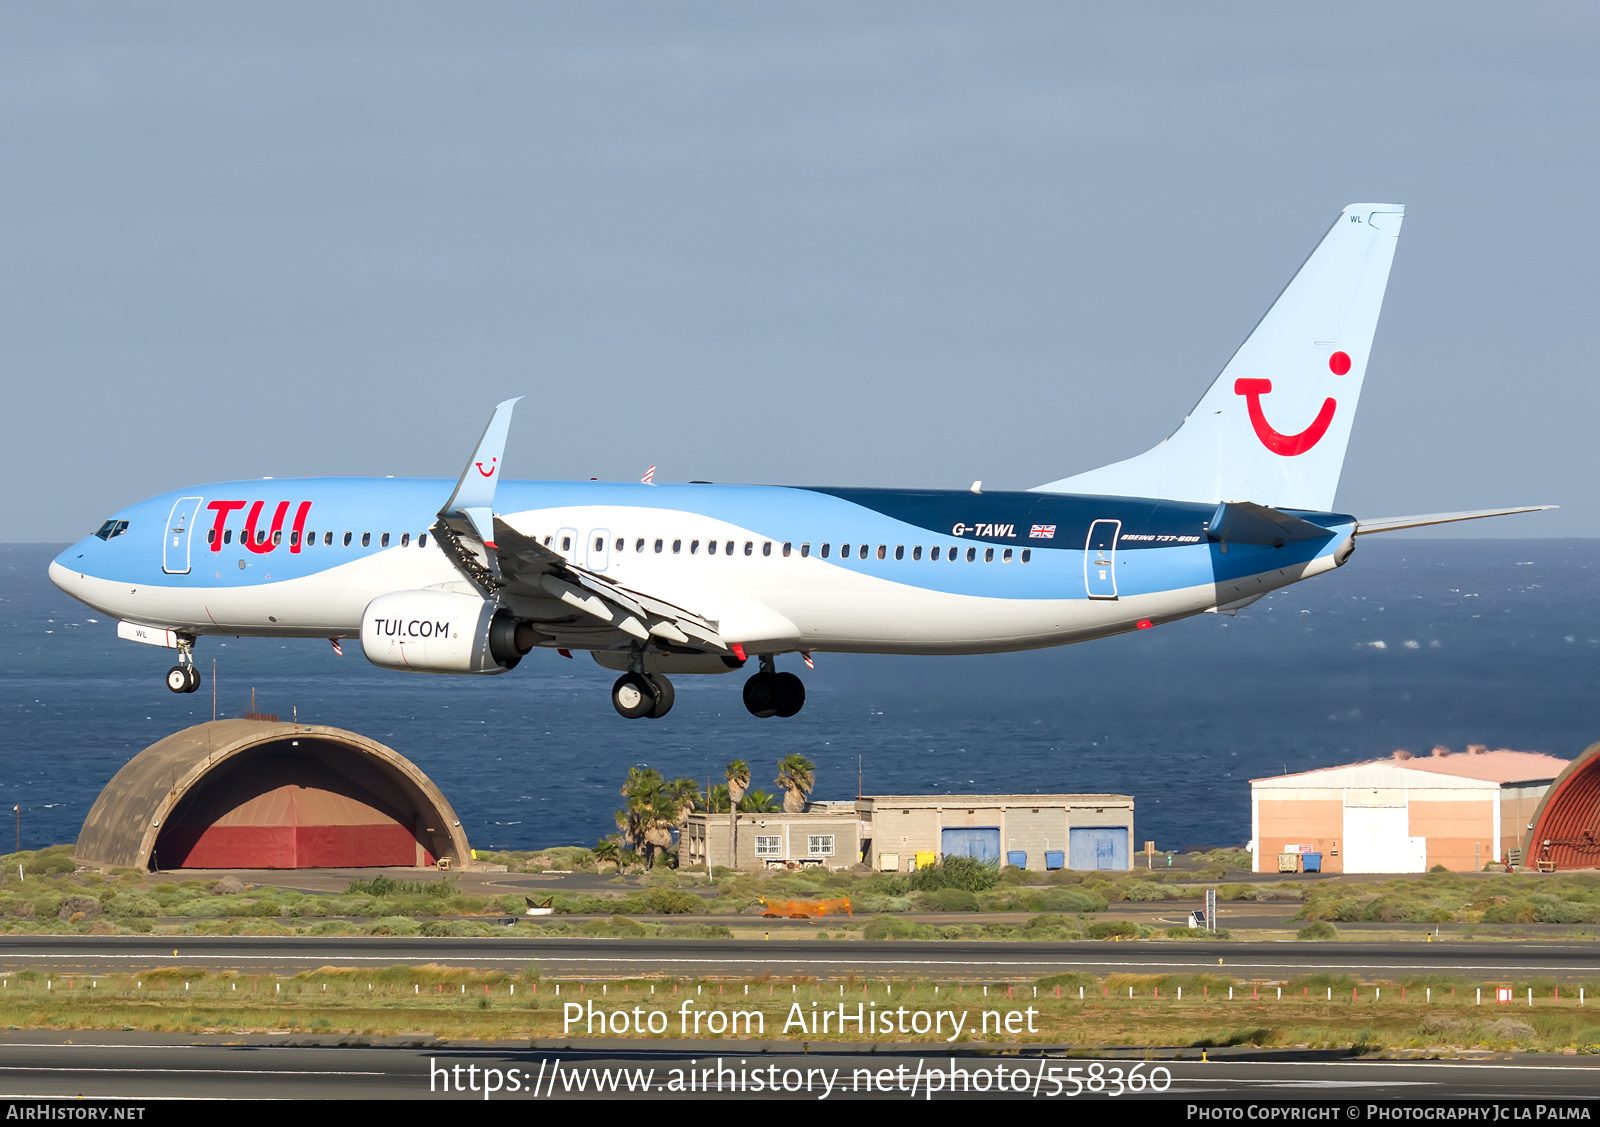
(1395, 524)
(1243, 522)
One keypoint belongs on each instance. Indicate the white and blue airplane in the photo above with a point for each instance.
(699, 578)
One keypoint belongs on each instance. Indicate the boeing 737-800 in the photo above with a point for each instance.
(700, 578)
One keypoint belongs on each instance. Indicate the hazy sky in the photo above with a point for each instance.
(883, 244)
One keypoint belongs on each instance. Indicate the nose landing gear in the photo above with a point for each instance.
(184, 677)
(770, 693)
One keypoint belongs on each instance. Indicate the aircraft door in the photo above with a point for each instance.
(567, 543)
(1100, 559)
(175, 544)
(599, 549)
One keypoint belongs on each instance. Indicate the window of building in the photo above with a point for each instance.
(1027, 554)
(366, 539)
(819, 845)
(769, 845)
(988, 555)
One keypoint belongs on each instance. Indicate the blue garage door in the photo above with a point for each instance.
(982, 842)
(1099, 847)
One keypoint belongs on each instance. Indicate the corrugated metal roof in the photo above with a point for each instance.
(1449, 772)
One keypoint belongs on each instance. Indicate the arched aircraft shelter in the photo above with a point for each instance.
(251, 794)
(1566, 825)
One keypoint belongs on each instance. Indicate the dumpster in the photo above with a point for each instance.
(889, 862)
(1311, 862)
(926, 859)
(1289, 862)
(1017, 857)
(1055, 858)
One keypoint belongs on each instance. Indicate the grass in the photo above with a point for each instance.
(1077, 1009)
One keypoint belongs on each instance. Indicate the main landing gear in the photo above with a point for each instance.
(184, 677)
(636, 695)
(770, 693)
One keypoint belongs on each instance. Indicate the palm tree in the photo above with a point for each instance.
(608, 849)
(758, 802)
(738, 775)
(796, 776)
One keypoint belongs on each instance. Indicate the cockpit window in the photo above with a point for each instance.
(111, 529)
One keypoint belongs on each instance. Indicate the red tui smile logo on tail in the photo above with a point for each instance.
(1289, 445)
(487, 472)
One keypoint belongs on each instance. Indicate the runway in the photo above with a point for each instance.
(42, 1065)
(742, 959)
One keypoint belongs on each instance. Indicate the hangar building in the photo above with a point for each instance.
(254, 794)
(1404, 814)
(897, 833)
(1565, 830)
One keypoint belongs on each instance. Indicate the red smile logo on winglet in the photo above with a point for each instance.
(1288, 445)
(487, 472)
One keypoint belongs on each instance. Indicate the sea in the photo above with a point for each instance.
(1414, 643)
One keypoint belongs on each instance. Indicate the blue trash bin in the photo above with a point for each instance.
(1055, 858)
(1017, 857)
(1311, 862)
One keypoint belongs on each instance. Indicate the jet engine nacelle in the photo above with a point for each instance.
(442, 632)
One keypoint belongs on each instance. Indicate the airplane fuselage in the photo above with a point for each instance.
(779, 568)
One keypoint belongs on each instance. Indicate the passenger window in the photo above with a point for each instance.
(366, 539)
(566, 543)
(677, 546)
(638, 545)
(422, 541)
(988, 555)
(294, 538)
(405, 539)
(311, 539)
(786, 548)
(1006, 556)
(972, 555)
(844, 551)
(916, 553)
(824, 551)
(599, 543)
(805, 549)
(883, 551)
(727, 549)
(621, 541)
(899, 551)
(227, 536)
(658, 548)
(1027, 554)
(383, 541)
(766, 549)
(211, 536)
(547, 541)
(347, 539)
(694, 546)
(277, 538)
(933, 553)
(749, 549)
(711, 548)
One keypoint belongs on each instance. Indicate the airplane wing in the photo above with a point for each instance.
(1395, 524)
(570, 605)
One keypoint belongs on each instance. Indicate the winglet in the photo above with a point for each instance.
(474, 494)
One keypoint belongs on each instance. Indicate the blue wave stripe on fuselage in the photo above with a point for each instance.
(778, 513)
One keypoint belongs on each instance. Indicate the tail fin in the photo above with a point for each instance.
(1274, 427)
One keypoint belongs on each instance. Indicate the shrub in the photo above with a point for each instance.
(1506, 1029)
(950, 900)
(1443, 1025)
(1118, 929)
(1236, 892)
(1322, 929)
(74, 905)
(1141, 890)
(672, 902)
(1067, 900)
(967, 873)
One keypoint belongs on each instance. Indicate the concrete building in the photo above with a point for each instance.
(896, 833)
(1404, 814)
(254, 794)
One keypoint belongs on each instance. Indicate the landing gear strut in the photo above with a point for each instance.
(636, 695)
(770, 693)
(184, 677)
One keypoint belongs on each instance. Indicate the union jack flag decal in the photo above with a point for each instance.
(1042, 532)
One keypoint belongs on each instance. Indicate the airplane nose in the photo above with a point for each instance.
(65, 578)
